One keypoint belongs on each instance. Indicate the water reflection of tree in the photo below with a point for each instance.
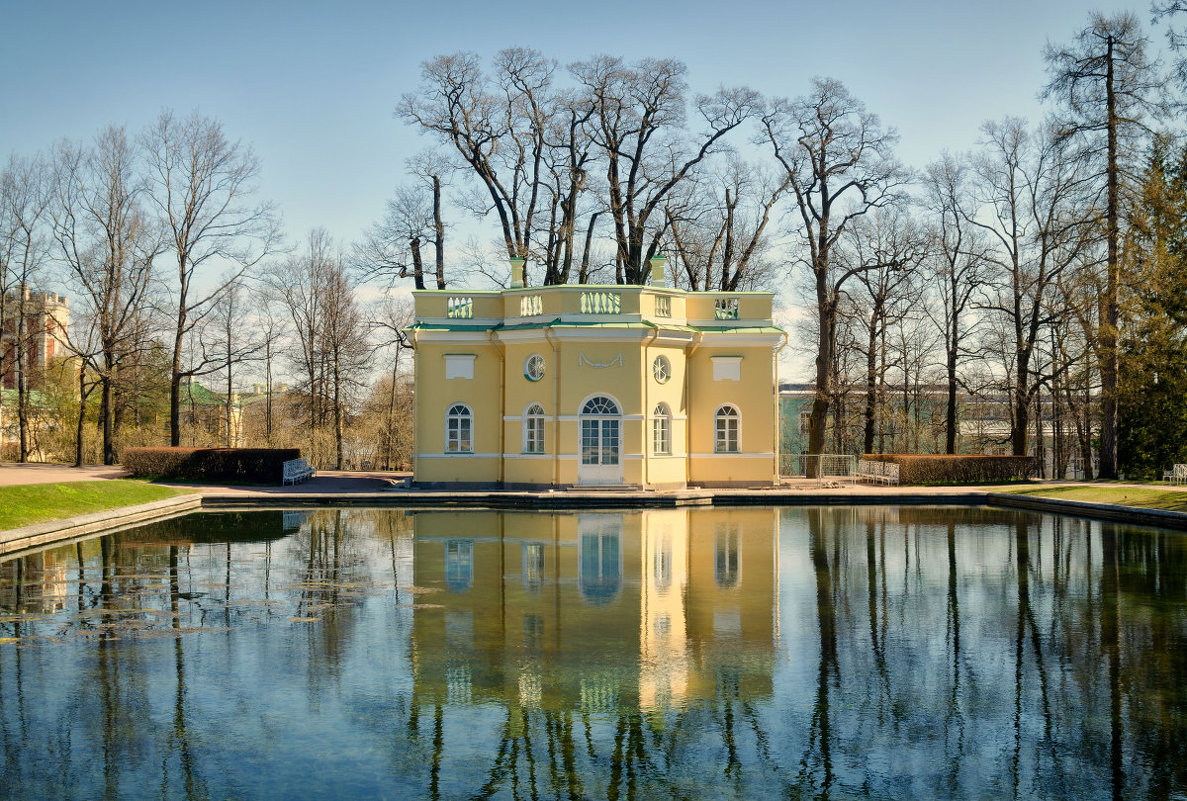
(1050, 682)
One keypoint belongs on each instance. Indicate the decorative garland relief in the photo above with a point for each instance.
(585, 362)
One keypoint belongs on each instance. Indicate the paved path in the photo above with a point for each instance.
(12, 473)
(325, 482)
(346, 482)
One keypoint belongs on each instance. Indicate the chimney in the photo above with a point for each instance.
(516, 272)
(657, 268)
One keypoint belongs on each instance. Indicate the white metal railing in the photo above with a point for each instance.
(725, 309)
(821, 467)
(459, 308)
(531, 305)
(601, 303)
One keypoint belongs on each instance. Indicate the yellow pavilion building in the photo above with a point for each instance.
(595, 385)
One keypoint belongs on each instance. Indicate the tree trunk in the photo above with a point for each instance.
(871, 385)
(824, 364)
(21, 351)
(950, 421)
(1109, 360)
(82, 412)
(438, 233)
(107, 414)
(337, 414)
(175, 391)
(418, 273)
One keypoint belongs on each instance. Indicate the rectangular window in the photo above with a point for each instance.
(805, 423)
(661, 429)
(589, 441)
(609, 442)
(727, 435)
(533, 434)
(458, 435)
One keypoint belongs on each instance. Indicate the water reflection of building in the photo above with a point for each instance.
(595, 611)
(35, 583)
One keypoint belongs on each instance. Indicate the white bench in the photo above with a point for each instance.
(877, 472)
(1176, 475)
(296, 471)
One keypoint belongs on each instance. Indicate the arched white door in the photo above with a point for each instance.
(601, 442)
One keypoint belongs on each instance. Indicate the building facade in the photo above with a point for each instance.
(571, 385)
(39, 320)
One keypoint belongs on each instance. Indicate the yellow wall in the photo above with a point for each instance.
(586, 355)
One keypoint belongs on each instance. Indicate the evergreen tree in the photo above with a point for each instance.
(1152, 390)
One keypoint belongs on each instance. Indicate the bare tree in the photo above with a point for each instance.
(1033, 208)
(233, 341)
(885, 252)
(393, 247)
(394, 317)
(1108, 88)
(343, 345)
(331, 344)
(841, 165)
(299, 282)
(200, 184)
(25, 197)
(108, 245)
(718, 226)
(959, 263)
(638, 124)
(497, 126)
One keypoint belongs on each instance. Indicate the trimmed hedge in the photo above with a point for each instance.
(959, 469)
(264, 465)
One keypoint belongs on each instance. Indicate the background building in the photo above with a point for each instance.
(46, 316)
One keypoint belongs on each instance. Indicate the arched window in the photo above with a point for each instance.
(726, 426)
(533, 429)
(458, 429)
(661, 429)
(600, 404)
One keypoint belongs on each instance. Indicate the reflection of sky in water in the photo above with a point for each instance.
(709, 653)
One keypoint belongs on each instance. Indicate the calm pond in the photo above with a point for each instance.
(876, 652)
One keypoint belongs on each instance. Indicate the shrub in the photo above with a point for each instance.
(263, 465)
(960, 469)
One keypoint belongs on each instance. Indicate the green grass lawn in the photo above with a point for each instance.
(1142, 497)
(26, 504)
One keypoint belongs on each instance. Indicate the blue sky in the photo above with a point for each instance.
(312, 86)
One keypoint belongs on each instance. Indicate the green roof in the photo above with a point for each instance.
(36, 398)
(195, 394)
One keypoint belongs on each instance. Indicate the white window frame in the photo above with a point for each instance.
(727, 429)
(534, 367)
(661, 430)
(805, 422)
(455, 438)
(533, 429)
(661, 369)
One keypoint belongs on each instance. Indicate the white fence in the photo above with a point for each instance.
(823, 467)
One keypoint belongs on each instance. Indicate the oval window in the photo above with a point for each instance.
(662, 369)
(533, 367)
